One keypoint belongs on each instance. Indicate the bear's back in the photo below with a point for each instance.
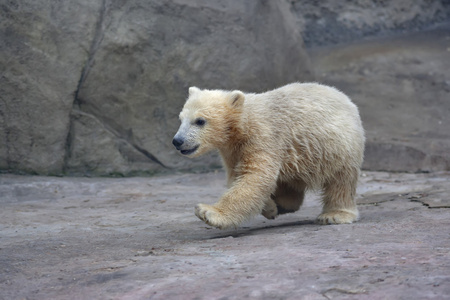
(311, 104)
(308, 120)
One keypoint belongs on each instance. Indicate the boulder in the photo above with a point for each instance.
(149, 53)
(95, 87)
(43, 47)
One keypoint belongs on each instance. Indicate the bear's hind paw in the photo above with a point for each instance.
(270, 210)
(337, 217)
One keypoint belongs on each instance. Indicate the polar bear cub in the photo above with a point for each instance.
(275, 146)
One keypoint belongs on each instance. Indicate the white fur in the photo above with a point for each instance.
(274, 146)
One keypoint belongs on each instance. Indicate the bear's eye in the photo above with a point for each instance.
(200, 122)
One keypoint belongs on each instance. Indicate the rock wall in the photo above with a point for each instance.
(402, 87)
(42, 51)
(330, 22)
(95, 87)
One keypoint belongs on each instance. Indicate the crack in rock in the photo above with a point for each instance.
(101, 26)
(116, 134)
(95, 45)
(439, 199)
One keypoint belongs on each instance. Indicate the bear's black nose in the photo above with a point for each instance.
(177, 142)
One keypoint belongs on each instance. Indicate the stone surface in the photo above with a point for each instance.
(138, 238)
(329, 22)
(151, 52)
(402, 87)
(95, 87)
(42, 52)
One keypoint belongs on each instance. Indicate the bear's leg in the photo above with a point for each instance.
(245, 198)
(339, 204)
(287, 199)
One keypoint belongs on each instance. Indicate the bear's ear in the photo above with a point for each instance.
(237, 98)
(193, 89)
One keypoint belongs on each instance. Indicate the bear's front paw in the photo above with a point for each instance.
(337, 217)
(212, 216)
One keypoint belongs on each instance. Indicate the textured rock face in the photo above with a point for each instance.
(96, 87)
(329, 22)
(151, 52)
(402, 87)
(42, 49)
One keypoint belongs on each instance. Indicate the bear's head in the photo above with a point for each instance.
(209, 119)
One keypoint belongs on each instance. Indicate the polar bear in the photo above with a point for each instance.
(275, 146)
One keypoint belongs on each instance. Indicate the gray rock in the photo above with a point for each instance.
(331, 22)
(106, 154)
(95, 87)
(42, 51)
(150, 52)
(401, 87)
(124, 67)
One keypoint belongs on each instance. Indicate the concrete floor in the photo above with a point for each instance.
(137, 238)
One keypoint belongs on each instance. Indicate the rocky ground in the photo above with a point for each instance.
(138, 238)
